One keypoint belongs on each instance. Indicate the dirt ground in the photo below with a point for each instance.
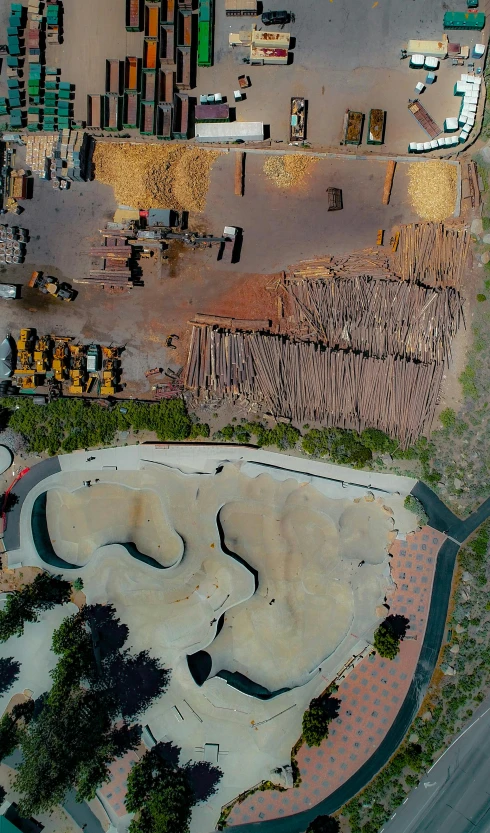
(279, 229)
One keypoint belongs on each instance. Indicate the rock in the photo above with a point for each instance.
(485, 153)
(283, 776)
(465, 594)
(369, 498)
(387, 458)
(427, 716)
(486, 239)
(413, 738)
(477, 227)
(485, 257)
(466, 577)
(388, 509)
(458, 483)
(448, 670)
(454, 648)
(459, 628)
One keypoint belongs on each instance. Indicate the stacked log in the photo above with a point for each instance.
(432, 254)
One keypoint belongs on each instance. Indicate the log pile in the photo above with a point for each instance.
(378, 317)
(372, 261)
(432, 254)
(306, 382)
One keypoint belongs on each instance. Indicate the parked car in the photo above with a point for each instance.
(276, 18)
(6, 357)
(8, 291)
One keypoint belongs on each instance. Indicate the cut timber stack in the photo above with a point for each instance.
(390, 173)
(432, 254)
(306, 382)
(239, 173)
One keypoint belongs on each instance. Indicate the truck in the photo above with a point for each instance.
(183, 77)
(427, 122)
(240, 8)
(227, 249)
(297, 128)
(152, 20)
(150, 53)
(464, 20)
(18, 185)
(133, 16)
(131, 110)
(94, 358)
(164, 121)
(113, 76)
(112, 112)
(261, 55)
(94, 111)
(353, 127)
(167, 44)
(147, 118)
(148, 85)
(166, 86)
(131, 74)
(205, 34)
(51, 286)
(376, 127)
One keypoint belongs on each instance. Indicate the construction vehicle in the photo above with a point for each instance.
(94, 361)
(51, 286)
(110, 372)
(61, 359)
(24, 351)
(78, 374)
(42, 352)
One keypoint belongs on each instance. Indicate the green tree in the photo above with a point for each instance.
(160, 795)
(317, 718)
(323, 824)
(389, 634)
(11, 726)
(23, 606)
(78, 584)
(378, 441)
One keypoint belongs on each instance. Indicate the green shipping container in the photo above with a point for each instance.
(204, 44)
(464, 20)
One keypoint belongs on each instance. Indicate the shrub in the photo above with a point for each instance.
(480, 297)
(448, 418)
(414, 505)
(317, 718)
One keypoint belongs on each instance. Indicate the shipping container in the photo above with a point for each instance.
(464, 20)
(260, 55)
(147, 118)
(183, 79)
(113, 76)
(353, 127)
(164, 121)
(212, 112)
(247, 131)
(184, 28)
(150, 54)
(112, 114)
(133, 16)
(131, 110)
(376, 127)
(205, 34)
(166, 86)
(168, 11)
(148, 86)
(181, 116)
(152, 21)
(131, 74)
(167, 44)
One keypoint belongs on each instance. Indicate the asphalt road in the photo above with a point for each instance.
(454, 796)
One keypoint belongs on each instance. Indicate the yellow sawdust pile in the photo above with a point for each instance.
(288, 171)
(155, 176)
(432, 189)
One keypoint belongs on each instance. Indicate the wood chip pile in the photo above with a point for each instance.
(309, 383)
(433, 254)
(288, 171)
(155, 176)
(432, 189)
(377, 316)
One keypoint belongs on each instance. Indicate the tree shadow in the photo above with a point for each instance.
(9, 501)
(398, 625)
(108, 633)
(9, 673)
(331, 707)
(204, 779)
(125, 738)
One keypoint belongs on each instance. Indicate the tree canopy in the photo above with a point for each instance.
(323, 824)
(317, 718)
(24, 605)
(389, 634)
(160, 795)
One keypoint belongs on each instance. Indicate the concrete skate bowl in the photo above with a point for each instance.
(305, 550)
(68, 527)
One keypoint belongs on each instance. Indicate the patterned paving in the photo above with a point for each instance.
(115, 791)
(371, 695)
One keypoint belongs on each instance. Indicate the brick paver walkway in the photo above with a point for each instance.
(371, 695)
(115, 791)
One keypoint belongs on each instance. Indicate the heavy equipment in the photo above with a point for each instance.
(24, 351)
(61, 358)
(78, 375)
(42, 354)
(51, 286)
(110, 372)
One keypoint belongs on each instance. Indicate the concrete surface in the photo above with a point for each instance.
(216, 712)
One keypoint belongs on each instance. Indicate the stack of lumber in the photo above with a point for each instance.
(378, 317)
(111, 261)
(309, 383)
(432, 254)
(372, 261)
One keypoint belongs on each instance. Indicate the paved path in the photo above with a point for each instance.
(11, 535)
(454, 796)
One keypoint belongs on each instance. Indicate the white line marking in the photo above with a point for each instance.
(458, 738)
(406, 800)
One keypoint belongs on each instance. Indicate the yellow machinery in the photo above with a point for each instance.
(25, 338)
(42, 354)
(110, 371)
(61, 358)
(78, 374)
(24, 351)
